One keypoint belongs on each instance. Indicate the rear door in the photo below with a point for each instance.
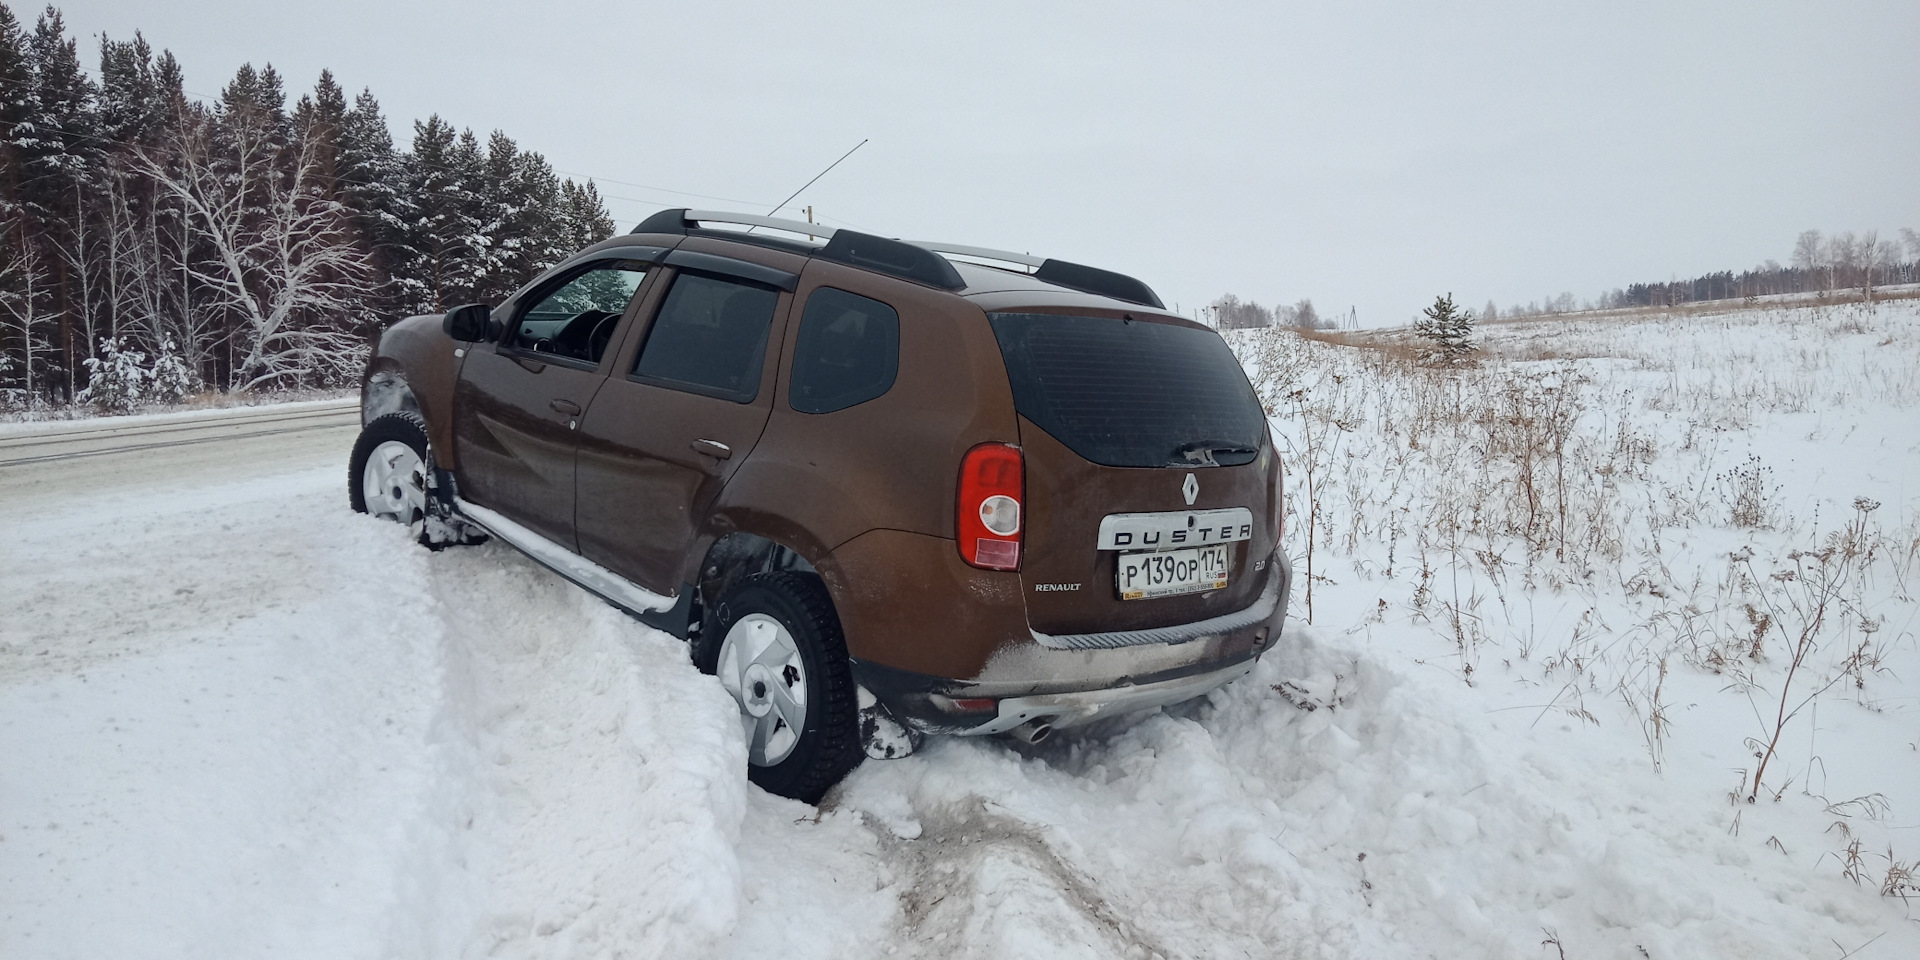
(518, 402)
(670, 427)
(1149, 472)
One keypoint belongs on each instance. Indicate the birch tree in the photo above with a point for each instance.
(281, 261)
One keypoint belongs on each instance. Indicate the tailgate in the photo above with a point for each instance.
(1071, 584)
(1147, 425)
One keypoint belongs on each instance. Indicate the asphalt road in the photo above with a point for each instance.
(43, 461)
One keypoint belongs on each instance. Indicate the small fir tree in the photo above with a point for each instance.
(116, 378)
(169, 380)
(1448, 331)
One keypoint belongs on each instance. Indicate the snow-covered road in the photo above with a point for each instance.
(239, 720)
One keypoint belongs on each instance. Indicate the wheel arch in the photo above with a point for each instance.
(723, 558)
(386, 390)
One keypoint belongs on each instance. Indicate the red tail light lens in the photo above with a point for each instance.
(991, 506)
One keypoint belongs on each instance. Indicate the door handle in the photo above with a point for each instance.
(567, 407)
(712, 448)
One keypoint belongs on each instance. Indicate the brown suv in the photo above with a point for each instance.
(883, 488)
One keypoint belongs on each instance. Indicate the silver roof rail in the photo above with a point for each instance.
(982, 253)
(822, 231)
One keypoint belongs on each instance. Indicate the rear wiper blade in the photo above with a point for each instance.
(1206, 453)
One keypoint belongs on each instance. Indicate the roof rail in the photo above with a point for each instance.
(902, 260)
(678, 219)
(981, 253)
(1062, 273)
(916, 261)
(1106, 283)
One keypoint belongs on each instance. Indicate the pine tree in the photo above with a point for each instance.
(132, 107)
(443, 222)
(56, 167)
(1448, 331)
(16, 110)
(585, 221)
(522, 203)
(373, 187)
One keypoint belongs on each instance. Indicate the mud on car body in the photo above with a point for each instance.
(884, 489)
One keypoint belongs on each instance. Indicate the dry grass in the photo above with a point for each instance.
(1517, 505)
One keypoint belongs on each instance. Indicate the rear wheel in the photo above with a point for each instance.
(775, 643)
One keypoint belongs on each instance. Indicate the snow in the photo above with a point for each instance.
(241, 721)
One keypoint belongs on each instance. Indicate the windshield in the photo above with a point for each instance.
(1129, 393)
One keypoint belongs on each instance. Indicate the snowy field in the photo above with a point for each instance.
(1557, 608)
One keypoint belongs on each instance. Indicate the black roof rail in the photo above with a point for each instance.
(1106, 283)
(670, 220)
(893, 257)
(1061, 273)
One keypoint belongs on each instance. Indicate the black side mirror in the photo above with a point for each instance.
(471, 323)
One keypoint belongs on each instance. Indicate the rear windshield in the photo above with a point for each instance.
(1128, 393)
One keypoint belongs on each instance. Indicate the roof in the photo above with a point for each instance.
(1054, 282)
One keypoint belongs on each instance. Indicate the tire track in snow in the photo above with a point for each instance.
(968, 867)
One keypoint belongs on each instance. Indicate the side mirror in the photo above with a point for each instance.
(471, 323)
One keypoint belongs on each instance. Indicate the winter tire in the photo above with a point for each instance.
(387, 474)
(775, 643)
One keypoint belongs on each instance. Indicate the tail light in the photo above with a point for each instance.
(992, 491)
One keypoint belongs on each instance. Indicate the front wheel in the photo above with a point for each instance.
(775, 643)
(387, 475)
(390, 476)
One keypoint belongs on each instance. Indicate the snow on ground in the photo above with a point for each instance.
(240, 720)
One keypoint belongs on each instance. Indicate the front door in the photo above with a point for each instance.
(518, 404)
(662, 437)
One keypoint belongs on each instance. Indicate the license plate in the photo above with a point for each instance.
(1142, 576)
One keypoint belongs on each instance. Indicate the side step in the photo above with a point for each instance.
(671, 614)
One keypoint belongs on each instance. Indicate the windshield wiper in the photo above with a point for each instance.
(1207, 453)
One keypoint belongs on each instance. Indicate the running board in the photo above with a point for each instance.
(650, 608)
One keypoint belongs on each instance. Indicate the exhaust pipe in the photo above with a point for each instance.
(1034, 731)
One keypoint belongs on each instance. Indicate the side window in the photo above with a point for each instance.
(848, 352)
(576, 319)
(710, 337)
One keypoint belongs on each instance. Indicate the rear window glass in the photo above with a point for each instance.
(848, 352)
(709, 337)
(1131, 393)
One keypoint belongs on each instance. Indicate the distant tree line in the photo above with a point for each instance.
(1818, 264)
(244, 243)
(1229, 312)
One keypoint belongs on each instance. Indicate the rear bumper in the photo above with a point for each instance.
(1071, 680)
(1086, 706)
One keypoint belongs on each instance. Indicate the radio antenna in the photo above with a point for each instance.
(816, 176)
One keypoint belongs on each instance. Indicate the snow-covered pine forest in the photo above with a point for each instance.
(154, 242)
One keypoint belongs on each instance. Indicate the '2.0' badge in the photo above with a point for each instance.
(1190, 489)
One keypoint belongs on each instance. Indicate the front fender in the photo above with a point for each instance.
(414, 366)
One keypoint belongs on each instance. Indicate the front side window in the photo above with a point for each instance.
(576, 320)
(848, 352)
(710, 337)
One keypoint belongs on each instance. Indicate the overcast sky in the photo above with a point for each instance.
(1363, 155)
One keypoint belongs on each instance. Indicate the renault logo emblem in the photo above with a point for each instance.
(1191, 489)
